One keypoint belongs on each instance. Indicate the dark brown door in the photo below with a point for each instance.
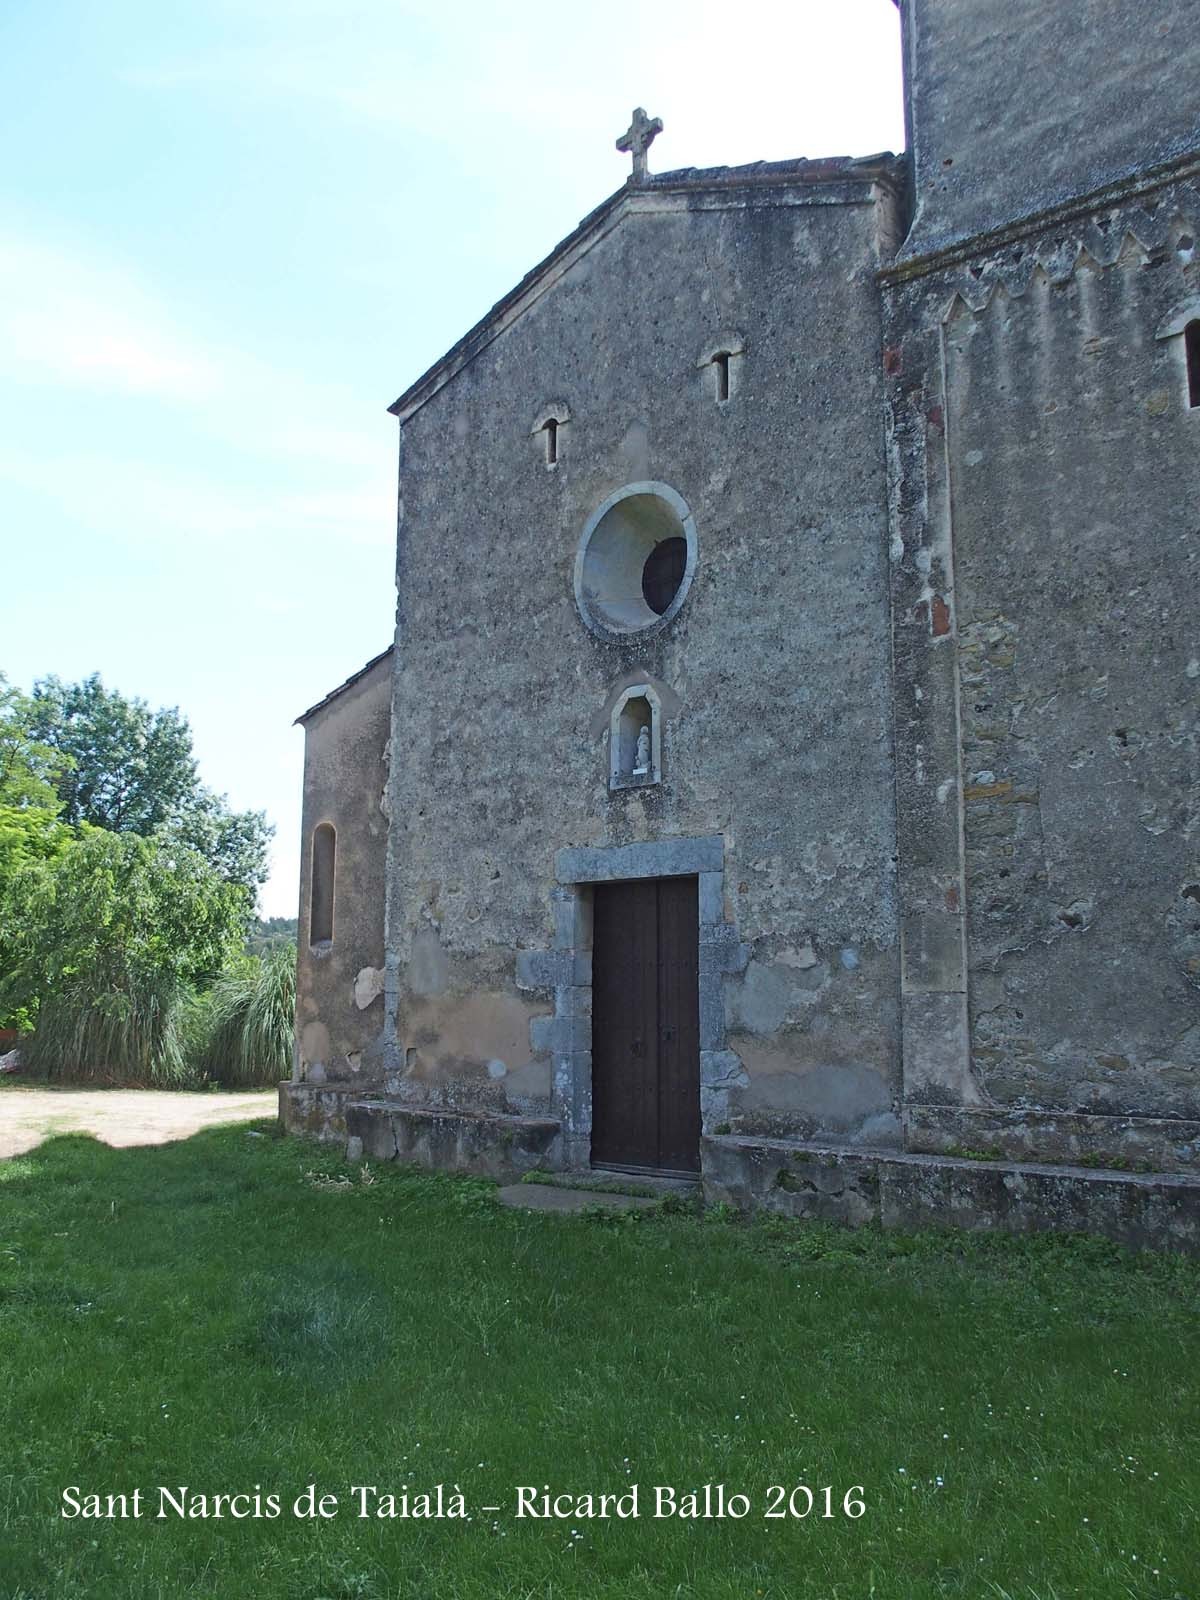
(646, 1025)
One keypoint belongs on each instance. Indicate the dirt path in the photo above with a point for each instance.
(119, 1116)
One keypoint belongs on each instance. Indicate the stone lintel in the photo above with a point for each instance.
(664, 858)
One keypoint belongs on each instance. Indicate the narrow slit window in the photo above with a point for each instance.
(551, 431)
(1191, 347)
(721, 364)
(324, 852)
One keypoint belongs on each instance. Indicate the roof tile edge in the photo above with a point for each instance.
(333, 694)
(882, 168)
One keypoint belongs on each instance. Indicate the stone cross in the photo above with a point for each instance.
(638, 138)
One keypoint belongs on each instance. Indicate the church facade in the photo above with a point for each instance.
(785, 768)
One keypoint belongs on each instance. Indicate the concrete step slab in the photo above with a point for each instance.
(611, 1181)
(549, 1197)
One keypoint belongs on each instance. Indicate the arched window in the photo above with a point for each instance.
(1191, 349)
(548, 425)
(1183, 323)
(723, 358)
(324, 854)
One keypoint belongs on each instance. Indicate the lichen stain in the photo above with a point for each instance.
(476, 1028)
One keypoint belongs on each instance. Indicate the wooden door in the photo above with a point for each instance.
(646, 1025)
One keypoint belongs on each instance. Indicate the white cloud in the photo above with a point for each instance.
(63, 320)
(74, 320)
(143, 505)
(776, 80)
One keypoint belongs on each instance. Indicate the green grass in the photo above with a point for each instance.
(1022, 1415)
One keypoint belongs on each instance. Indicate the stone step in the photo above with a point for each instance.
(550, 1197)
(603, 1180)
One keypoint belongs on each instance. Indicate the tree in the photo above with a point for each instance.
(234, 842)
(107, 941)
(29, 770)
(266, 934)
(31, 837)
(128, 769)
(30, 832)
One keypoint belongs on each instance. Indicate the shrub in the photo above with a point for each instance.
(112, 1025)
(106, 942)
(245, 1031)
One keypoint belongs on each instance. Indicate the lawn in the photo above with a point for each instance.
(1018, 1418)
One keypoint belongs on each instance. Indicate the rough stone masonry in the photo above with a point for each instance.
(822, 532)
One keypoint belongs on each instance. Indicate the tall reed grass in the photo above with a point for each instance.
(126, 1030)
(148, 1029)
(245, 1028)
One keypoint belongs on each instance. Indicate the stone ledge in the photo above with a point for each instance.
(317, 1110)
(488, 1145)
(890, 1189)
(1168, 1144)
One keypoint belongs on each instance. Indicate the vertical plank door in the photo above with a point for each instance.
(646, 1025)
(678, 1025)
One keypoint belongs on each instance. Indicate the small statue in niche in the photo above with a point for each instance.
(641, 761)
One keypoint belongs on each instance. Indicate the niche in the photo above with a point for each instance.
(1183, 325)
(635, 739)
(320, 916)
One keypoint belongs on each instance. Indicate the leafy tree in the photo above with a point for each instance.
(30, 832)
(128, 769)
(234, 842)
(107, 939)
(31, 837)
(30, 771)
(268, 933)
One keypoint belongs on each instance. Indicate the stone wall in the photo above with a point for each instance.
(1045, 480)
(885, 1189)
(1018, 106)
(339, 981)
(774, 677)
(924, 726)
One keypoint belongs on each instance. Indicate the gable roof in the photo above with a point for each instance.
(856, 174)
(342, 687)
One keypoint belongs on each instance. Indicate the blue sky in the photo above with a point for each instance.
(232, 233)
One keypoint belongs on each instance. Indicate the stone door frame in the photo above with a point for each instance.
(566, 971)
